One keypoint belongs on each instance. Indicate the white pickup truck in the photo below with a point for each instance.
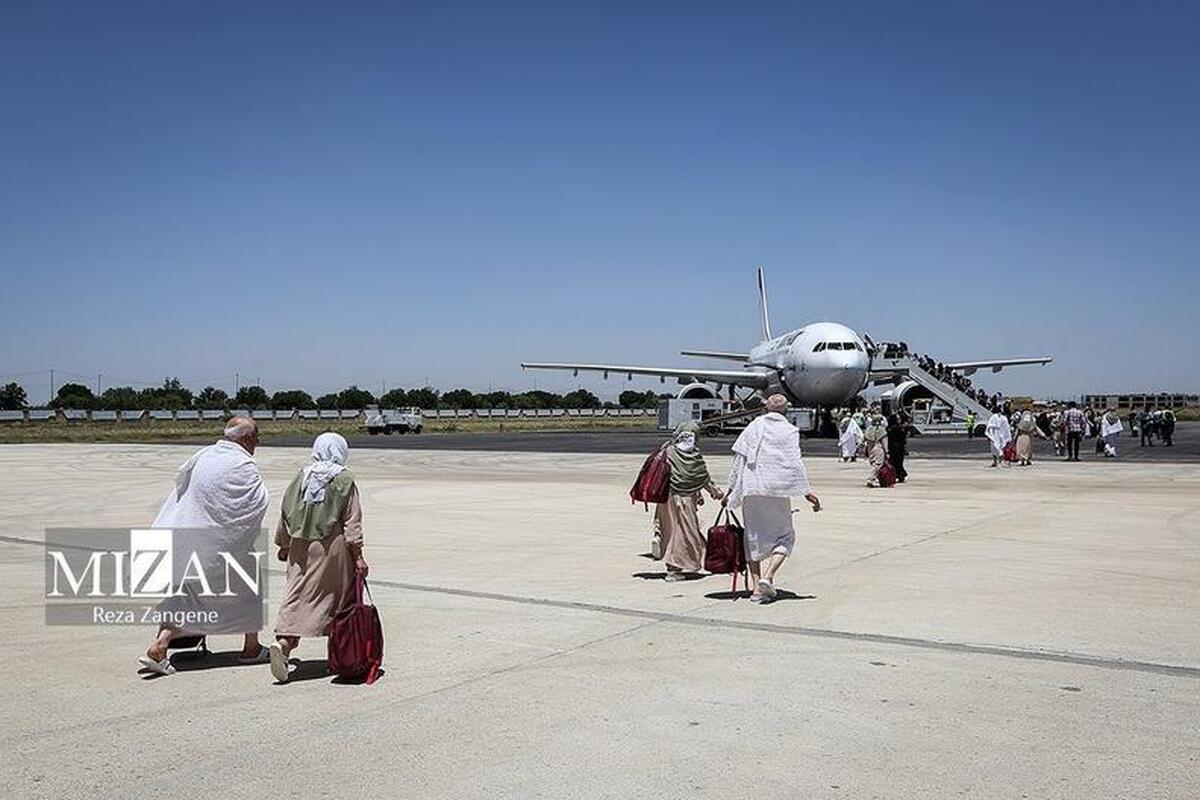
(397, 420)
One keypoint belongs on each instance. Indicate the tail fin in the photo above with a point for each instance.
(762, 304)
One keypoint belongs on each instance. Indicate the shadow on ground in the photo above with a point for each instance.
(315, 669)
(661, 576)
(780, 595)
(197, 661)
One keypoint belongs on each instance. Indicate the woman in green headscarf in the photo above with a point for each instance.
(320, 537)
(678, 522)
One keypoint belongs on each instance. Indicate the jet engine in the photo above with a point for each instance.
(697, 391)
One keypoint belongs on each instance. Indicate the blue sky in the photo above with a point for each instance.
(324, 194)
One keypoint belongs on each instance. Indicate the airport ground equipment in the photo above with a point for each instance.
(715, 416)
(395, 420)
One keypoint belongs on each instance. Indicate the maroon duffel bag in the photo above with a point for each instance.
(725, 550)
(356, 638)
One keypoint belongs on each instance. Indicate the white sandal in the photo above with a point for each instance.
(164, 667)
(262, 657)
(279, 662)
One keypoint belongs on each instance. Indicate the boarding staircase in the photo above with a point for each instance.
(909, 368)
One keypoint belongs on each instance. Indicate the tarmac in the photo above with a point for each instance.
(1186, 445)
(976, 632)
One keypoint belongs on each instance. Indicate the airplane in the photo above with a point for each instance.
(821, 365)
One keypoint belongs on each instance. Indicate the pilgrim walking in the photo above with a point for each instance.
(999, 434)
(767, 472)
(1026, 428)
(320, 537)
(678, 520)
(850, 438)
(218, 492)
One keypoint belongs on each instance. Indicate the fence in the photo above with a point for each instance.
(207, 415)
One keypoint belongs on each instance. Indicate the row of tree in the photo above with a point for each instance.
(173, 395)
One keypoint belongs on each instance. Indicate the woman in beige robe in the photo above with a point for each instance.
(320, 537)
(678, 520)
(1026, 426)
(875, 442)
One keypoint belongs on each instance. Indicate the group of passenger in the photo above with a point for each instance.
(319, 532)
(882, 440)
(767, 472)
(1064, 427)
(1151, 425)
(319, 537)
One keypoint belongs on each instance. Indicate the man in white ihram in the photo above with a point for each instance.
(999, 433)
(217, 488)
(767, 473)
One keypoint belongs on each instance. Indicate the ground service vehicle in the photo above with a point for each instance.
(407, 420)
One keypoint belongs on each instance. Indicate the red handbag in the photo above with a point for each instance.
(725, 550)
(653, 484)
(356, 638)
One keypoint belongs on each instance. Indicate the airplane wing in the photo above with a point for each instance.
(720, 354)
(969, 367)
(752, 379)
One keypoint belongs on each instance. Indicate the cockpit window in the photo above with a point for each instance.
(819, 347)
(834, 346)
(849, 346)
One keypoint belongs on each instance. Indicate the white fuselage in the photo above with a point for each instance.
(821, 364)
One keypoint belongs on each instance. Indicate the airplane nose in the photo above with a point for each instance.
(852, 373)
(852, 360)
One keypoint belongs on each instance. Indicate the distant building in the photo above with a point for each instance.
(1138, 401)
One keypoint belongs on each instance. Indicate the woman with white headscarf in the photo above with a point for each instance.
(320, 537)
(677, 521)
(1026, 427)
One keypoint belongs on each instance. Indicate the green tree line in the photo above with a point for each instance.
(174, 395)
